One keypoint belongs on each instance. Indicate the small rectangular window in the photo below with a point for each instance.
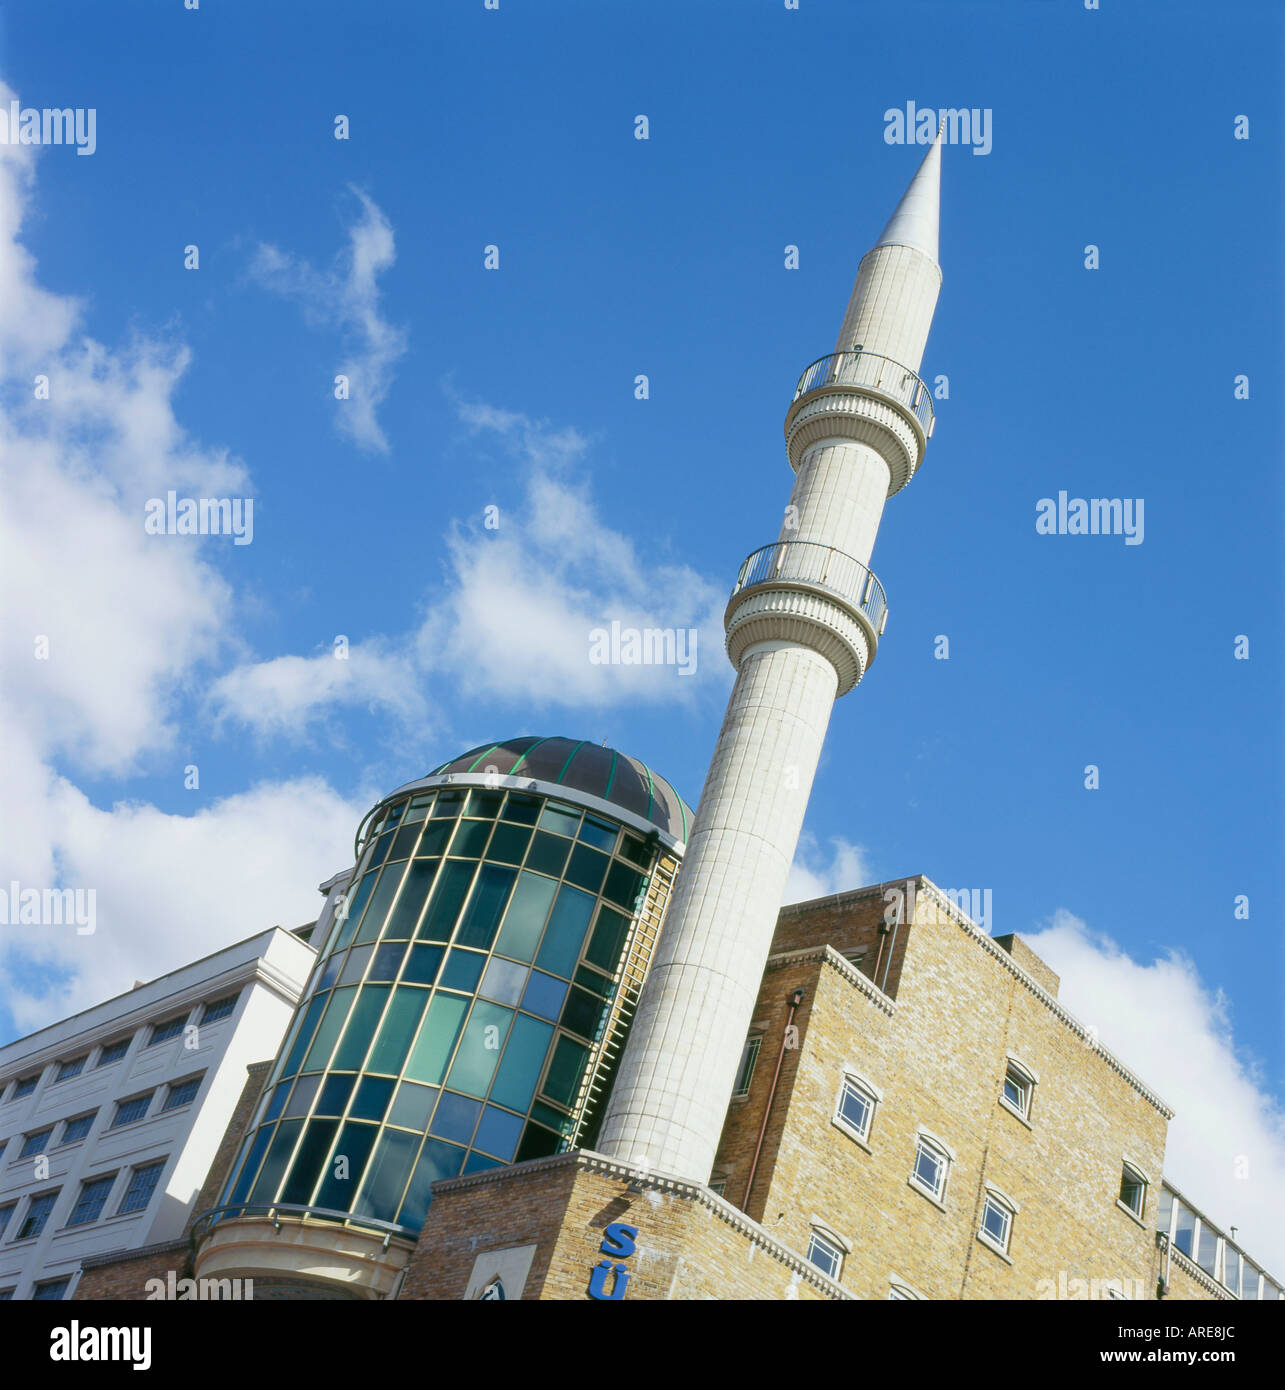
(75, 1130)
(25, 1086)
(1017, 1090)
(112, 1052)
(181, 1093)
(825, 1254)
(52, 1290)
(1133, 1190)
(163, 1032)
(36, 1143)
(856, 1107)
(997, 1223)
(745, 1072)
(6, 1212)
(219, 1008)
(73, 1067)
(931, 1166)
(37, 1215)
(93, 1198)
(142, 1184)
(128, 1111)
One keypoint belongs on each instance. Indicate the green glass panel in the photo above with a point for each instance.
(343, 1174)
(599, 984)
(509, 843)
(608, 939)
(565, 1071)
(304, 1036)
(422, 965)
(564, 935)
(437, 1159)
(560, 817)
(370, 1100)
(435, 838)
(462, 970)
(380, 900)
(398, 1030)
(484, 804)
(556, 1119)
(448, 804)
(635, 850)
(404, 842)
(419, 879)
(486, 906)
(601, 834)
(587, 868)
(452, 884)
(265, 1187)
(524, 921)
(437, 1035)
(623, 886)
(308, 1161)
(390, 1167)
(362, 1023)
(479, 1050)
(319, 1053)
(583, 1013)
(537, 1142)
(470, 839)
(548, 853)
(523, 1062)
(523, 809)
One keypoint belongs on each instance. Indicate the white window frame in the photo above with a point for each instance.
(747, 1066)
(1127, 1165)
(992, 1196)
(825, 1234)
(869, 1092)
(1028, 1081)
(901, 1292)
(930, 1143)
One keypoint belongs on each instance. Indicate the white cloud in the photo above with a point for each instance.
(1168, 1027)
(821, 873)
(347, 297)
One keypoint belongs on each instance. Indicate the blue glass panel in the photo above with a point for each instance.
(250, 1167)
(390, 1166)
(265, 1186)
(343, 1178)
(422, 965)
(478, 1163)
(387, 960)
(437, 1160)
(356, 905)
(372, 1097)
(486, 906)
(335, 1091)
(449, 889)
(565, 933)
(413, 1105)
(463, 969)
(372, 923)
(455, 1117)
(499, 1132)
(276, 1104)
(410, 902)
(308, 1161)
(304, 1036)
(544, 995)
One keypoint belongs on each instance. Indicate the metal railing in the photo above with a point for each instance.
(821, 567)
(270, 1211)
(873, 373)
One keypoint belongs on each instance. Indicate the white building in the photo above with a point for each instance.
(109, 1120)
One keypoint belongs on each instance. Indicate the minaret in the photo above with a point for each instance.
(802, 625)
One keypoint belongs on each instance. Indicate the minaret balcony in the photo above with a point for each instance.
(868, 398)
(808, 592)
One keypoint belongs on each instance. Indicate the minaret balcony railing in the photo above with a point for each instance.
(813, 565)
(873, 373)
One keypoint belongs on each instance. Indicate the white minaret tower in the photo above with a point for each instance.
(802, 625)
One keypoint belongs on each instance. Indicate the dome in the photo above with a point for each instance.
(585, 767)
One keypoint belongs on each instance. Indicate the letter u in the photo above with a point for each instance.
(598, 1282)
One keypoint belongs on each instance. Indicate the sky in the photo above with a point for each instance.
(492, 258)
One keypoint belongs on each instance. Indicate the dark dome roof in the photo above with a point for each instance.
(584, 767)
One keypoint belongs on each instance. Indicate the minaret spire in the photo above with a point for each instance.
(803, 623)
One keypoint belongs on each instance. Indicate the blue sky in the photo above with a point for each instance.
(514, 388)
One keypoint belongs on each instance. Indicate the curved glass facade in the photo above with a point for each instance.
(468, 1004)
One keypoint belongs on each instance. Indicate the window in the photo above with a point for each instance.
(1231, 1268)
(6, 1294)
(1133, 1190)
(932, 1164)
(182, 1093)
(25, 1086)
(163, 1032)
(127, 1111)
(113, 1052)
(720, 1186)
(92, 1200)
(825, 1254)
(6, 1212)
(997, 1222)
(220, 1008)
(36, 1143)
(142, 1184)
(901, 1292)
(745, 1072)
(37, 1214)
(856, 1107)
(1019, 1084)
(66, 1070)
(76, 1129)
(51, 1290)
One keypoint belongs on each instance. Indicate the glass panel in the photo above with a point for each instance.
(435, 839)
(413, 1106)
(335, 1091)
(557, 1119)
(565, 1071)
(499, 1132)
(347, 1163)
(1165, 1212)
(452, 884)
(462, 970)
(1207, 1249)
(306, 1168)
(355, 964)
(276, 1104)
(304, 1036)
(372, 923)
(1231, 1268)
(422, 965)
(404, 842)
(634, 849)
(479, 1050)
(478, 1163)
(544, 995)
(1185, 1230)
(419, 879)
(537, 1142)
(387, 961)
(437, 1159)
(548, 854)
(265, 1187)
(509, 843)
(238, 1191)
(560, 817)
(386, 1178)
(587, 868)
(608, 939)
(483, 804)
(624, 886)
(371, 1098)
(301, 1097)
(524, 921)
(436, 1039)
(455, 1117)
(448, 804)
(398, 1030)
(486, 906)
(523, 809)
(328, 973)
(583, 1014)
(356, 904)
(601, 834)
(504, 981)
(564, 935)
(361, 1027)
(599, 984)
(523, 1062)
(470, 839)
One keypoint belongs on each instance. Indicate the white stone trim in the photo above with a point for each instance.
(823, 1227)
(850, 1069)
(1023, 1066)
(939, 1141)
(1003, 1196)
(896, 1281)
(829, 956)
